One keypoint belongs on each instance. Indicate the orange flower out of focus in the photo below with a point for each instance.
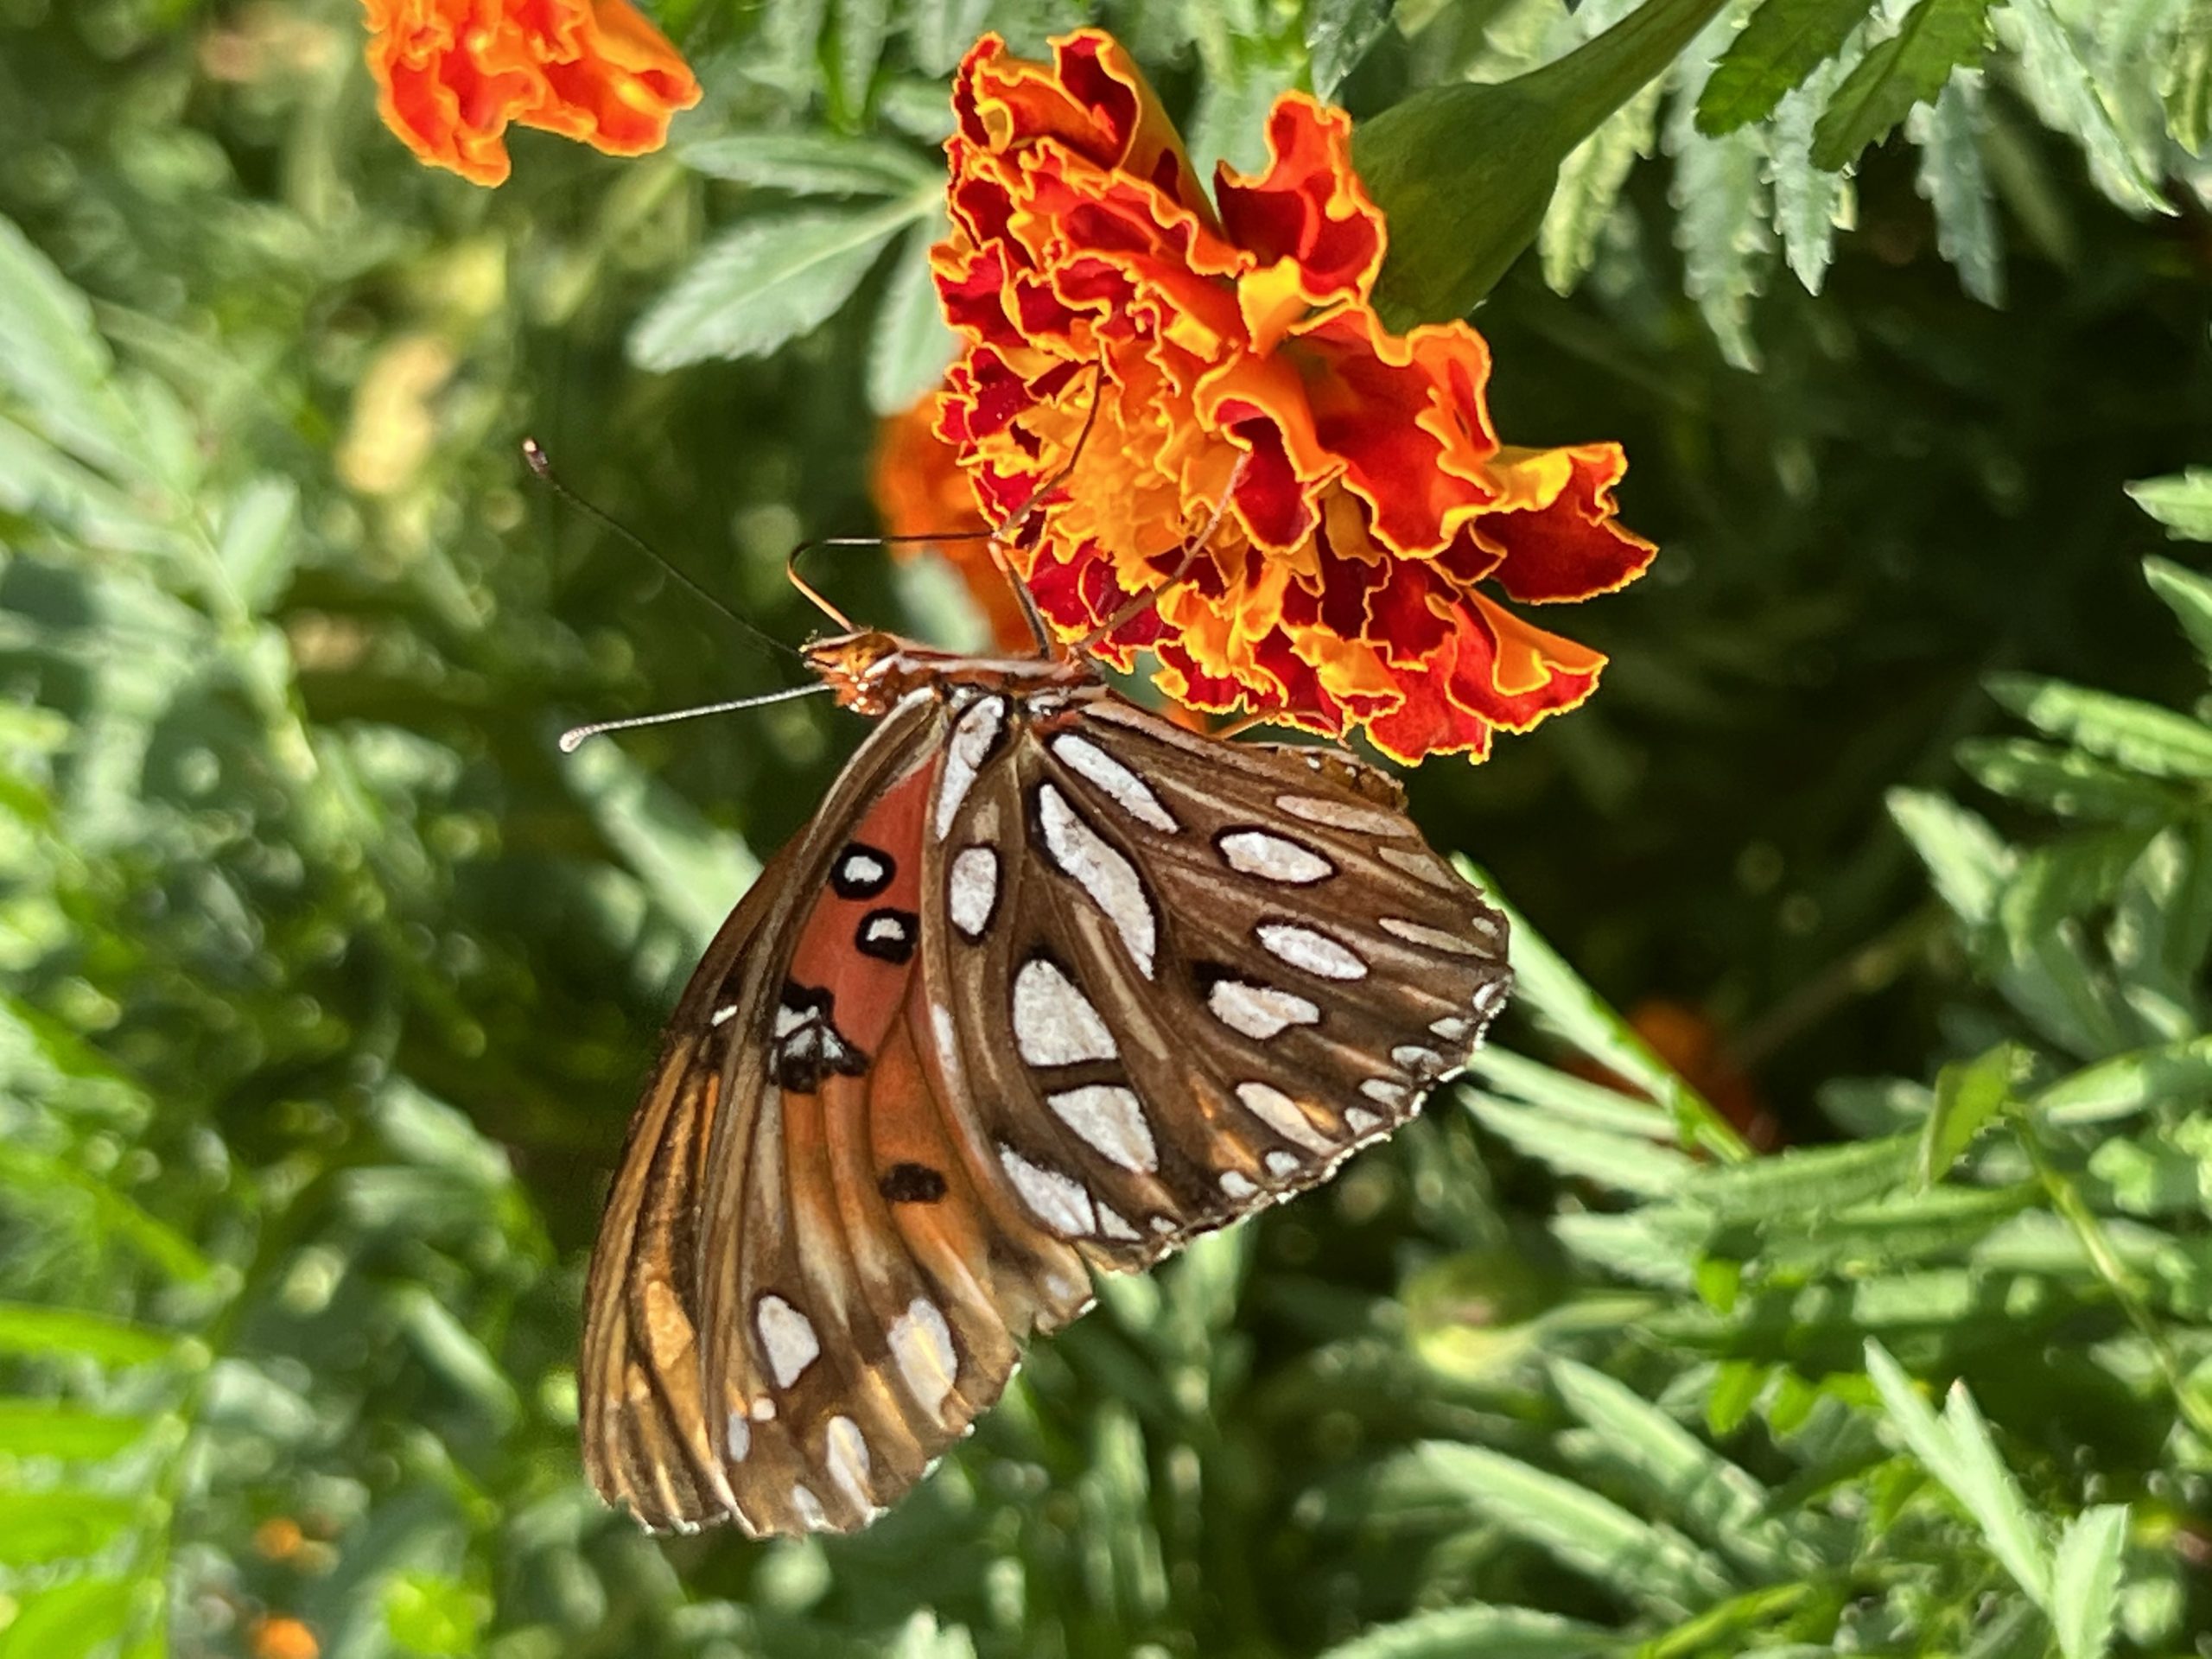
(1371, 511)
(451, 75)
(919, 491)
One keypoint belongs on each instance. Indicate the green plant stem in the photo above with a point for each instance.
(2127, 1289)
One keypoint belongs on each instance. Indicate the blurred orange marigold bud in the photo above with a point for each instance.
(281, 1638)
(919, 490)
(451, 75)
(1370, 508)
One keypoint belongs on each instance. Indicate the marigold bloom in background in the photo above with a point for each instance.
(452, 74)
(919, 490)
(1371, 511)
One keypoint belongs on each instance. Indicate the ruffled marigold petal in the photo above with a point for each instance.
(452, 75)
(1317, 501)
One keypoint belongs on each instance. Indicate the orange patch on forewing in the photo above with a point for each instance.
(867, 990)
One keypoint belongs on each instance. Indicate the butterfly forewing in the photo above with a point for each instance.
(1047, 979)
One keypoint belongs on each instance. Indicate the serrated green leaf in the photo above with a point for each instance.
(940, 31)
(2181, 501)
(911, 344)
(46, 1428)
(258, 546)
(1642, 1167)
(55, 1526)
(1784, 42)
(1709, 1497)
(1802, 1182)
(765, 283)
(2188, 596)
(1955, 184)
(810, 163)
(1722, 223)
(2065, 781)
(1969, 1096)
(862, 26)
(2085, 1580)
(2067, 95)
(25, 1328)
(1590, 181)
(2141, 735)
(1338, 34)
(55, 364)
(1477, 1628)
(1810, 204)
(1571, 1099)
(1583, 1531)
(1911, 66)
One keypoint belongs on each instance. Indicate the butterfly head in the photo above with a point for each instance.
(870, 670)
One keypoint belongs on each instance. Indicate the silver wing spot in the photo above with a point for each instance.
(1280, 1113)
(1109, 1119)
(1259, 1011)
(809, 1509)
(1414, 1057)
(921, 1343)
(1054, 1024)
(973, 736)
(1128, 792)
(1282, 1164)
(1272, 857)
(1345, 814)
(1434, 938)
(1111, 880)
(1314, 952)
(1111, 1225)
(1451, 1027)
(1060, 1202)
(737, 1437)
(1422, 864)
(1360, 1121)
(787, 1337)
(972, 890)
(848, 1462)
(1383, 1092)
(1237, 1186)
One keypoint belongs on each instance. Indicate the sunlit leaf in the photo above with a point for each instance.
(1909, 67)
(1782, 44)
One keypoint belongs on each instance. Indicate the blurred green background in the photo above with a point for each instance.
(328, 982)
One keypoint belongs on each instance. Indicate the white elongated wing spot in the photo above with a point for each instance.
(1111, 1224)
(1451, 1027)
(1423, 865)
(1314, 952)
(1383, 1092)
(1238, 1185)
(1272, 857)
(1282, 1164)
(1344, 815)
(1111, 880)
(1360, 1121)
(1054, 1024)
(1414, 1057)
(1259, 1011)
(1109, 1119)
(972, 890)
(1433, 938)
(1128, 790)
(848, 1462)
(973, 736)
(809, 1508)
(786, 1337)
(921, 1345)
(737, 1437)
(1058, 1201)
(1280, 1113)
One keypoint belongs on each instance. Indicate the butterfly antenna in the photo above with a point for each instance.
(573, 739)
(541, 465)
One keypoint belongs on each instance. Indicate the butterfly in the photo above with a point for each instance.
(1049, 983)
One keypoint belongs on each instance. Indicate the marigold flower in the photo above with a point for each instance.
(1233, 356)
(920, 490)
(451, 75)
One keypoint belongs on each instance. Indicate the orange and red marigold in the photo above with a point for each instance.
(452, 74)
(1233, 355)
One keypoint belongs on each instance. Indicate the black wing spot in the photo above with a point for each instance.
(887, 935)
(808, 1047)
(861, 871)
(912, 1184)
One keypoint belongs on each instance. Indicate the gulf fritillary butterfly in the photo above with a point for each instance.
(1048, 983)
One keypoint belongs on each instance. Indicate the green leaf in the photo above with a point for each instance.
(2085, 1580)
(1464, 172)
(1784, 42)
(940, 31)
(258, 546)
(1583, 1531)
(862, 26)
(1642, 1167)
(2188, 596)
(2068, 95)
(1478, 1628)
(810, 163)
(911, 344)
(2187, 84)
(2065, 781)
(46, 1428)
(1969, 1096)
(1909, 67)
(1708, 1496)
(1338, 34)
(69, 1620)
(54, 1526)
(25, 1328)
(1959, 1452)
(1590, 181)
(1571, 1099)
(2140, 735)
(2181, 501)
(765, 283)
(1722, 222)
(1802, 1182)
(2179, 1075)
(1810, 204)
(1956, 186)
(118, 1218)
(1969, 861)
(54, 362)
